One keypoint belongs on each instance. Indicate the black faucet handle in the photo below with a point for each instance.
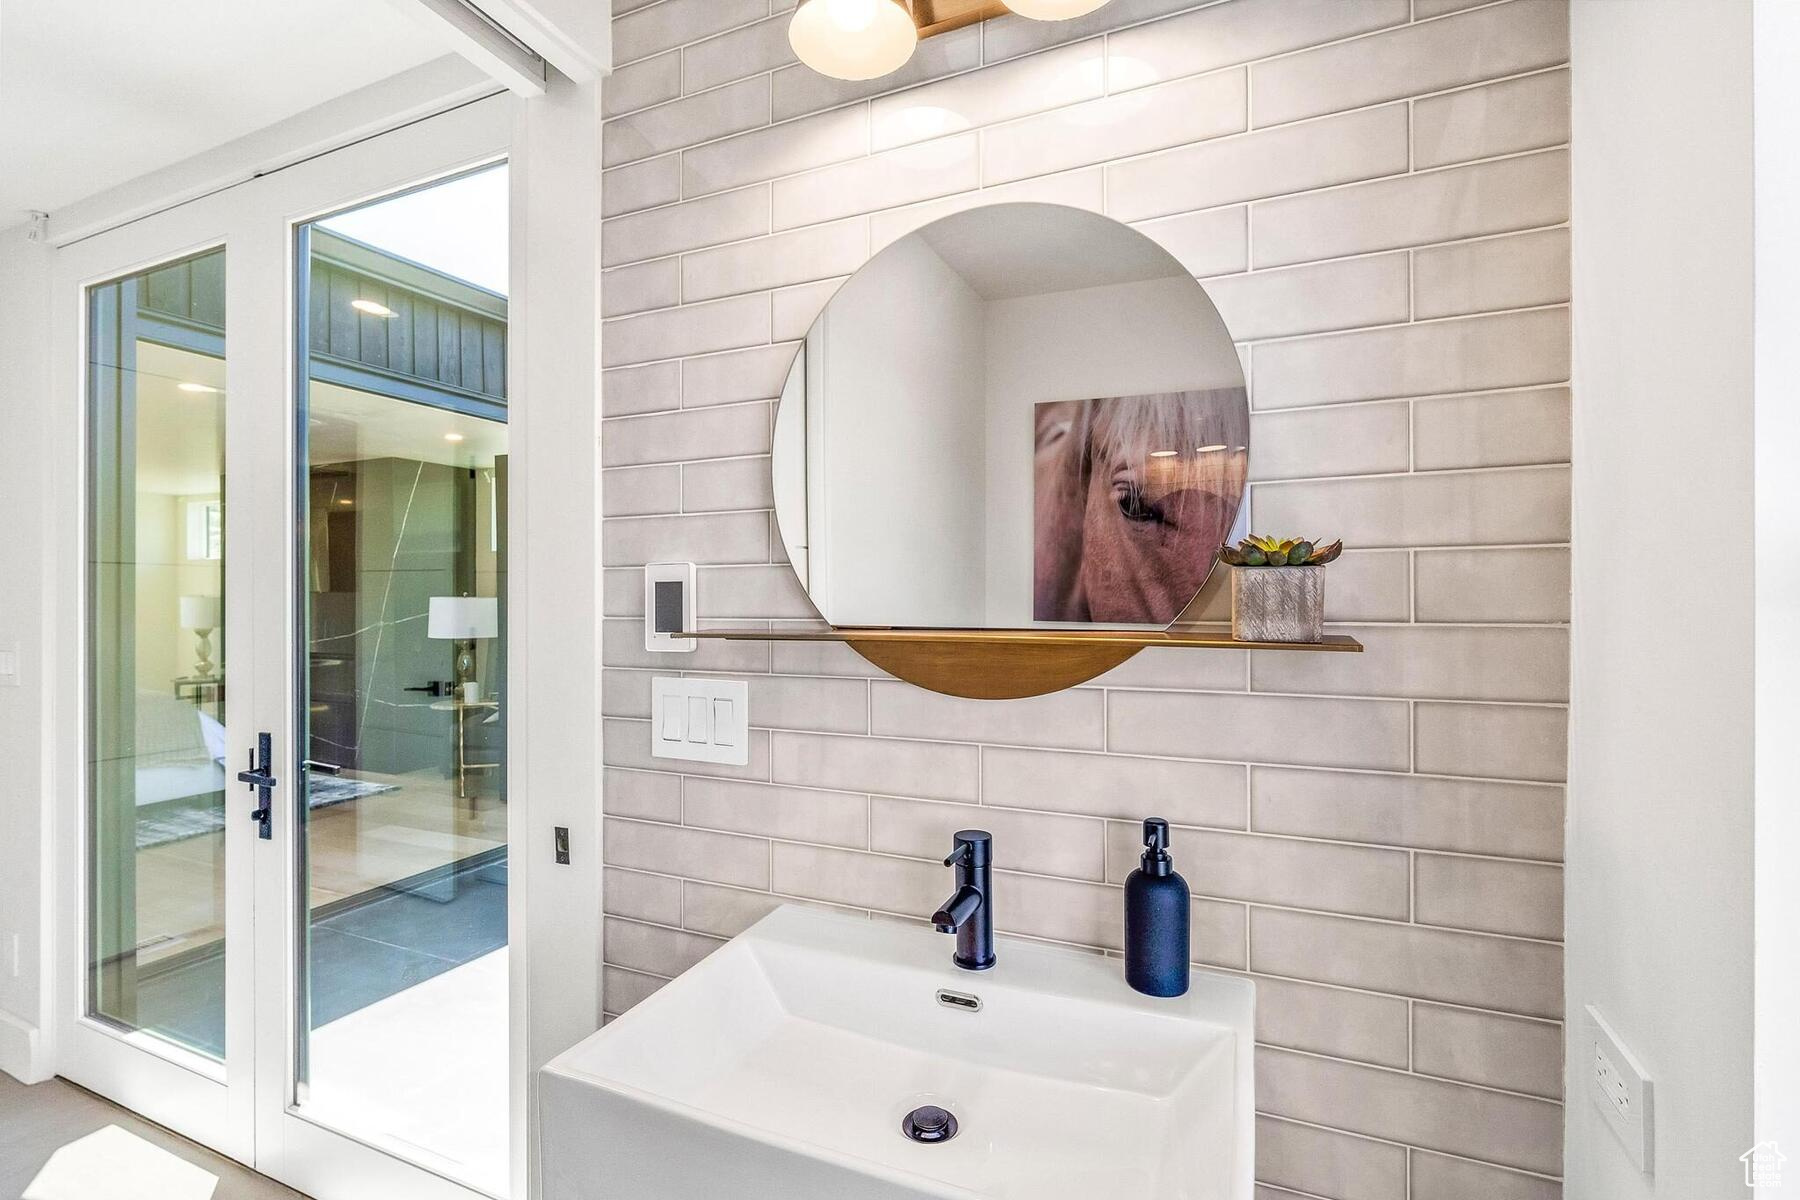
(974, 848)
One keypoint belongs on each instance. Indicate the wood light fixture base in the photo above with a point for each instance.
(941, 16)
(1009, 664)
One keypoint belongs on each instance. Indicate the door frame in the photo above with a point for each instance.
(256, 220)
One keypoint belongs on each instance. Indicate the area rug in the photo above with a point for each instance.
(176, 824)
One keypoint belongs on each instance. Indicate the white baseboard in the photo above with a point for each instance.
(19, 1050)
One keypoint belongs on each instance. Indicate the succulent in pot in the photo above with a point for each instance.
(1278, 588)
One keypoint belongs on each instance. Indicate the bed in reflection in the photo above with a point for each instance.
(180, 769)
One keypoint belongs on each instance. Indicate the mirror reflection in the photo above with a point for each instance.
(1020, 415)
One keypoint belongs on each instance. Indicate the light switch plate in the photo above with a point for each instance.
(703, 720)
(9, 665)
(1619, 1087)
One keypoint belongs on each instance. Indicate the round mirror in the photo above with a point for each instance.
(1019, 416)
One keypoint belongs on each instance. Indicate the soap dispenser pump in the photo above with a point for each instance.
(1156, 919)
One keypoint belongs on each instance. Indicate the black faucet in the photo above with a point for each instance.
(969, 914)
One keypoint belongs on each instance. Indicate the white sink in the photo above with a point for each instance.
(782, 1066)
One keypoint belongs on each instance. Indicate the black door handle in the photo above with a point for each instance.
(262, 782)
(434, 688)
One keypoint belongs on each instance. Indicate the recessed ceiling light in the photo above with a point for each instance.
(853, 39)
(1209, 449)
(453, 437)
(1053, 10)
(196, 387)
(346, 503)
(1164, 453)
(372, 308)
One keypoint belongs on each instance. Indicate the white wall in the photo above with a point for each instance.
(1660, 787)
(1126, 339)
(24, 390)
(1777, 33)
(903, 436)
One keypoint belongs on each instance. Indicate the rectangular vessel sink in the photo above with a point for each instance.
(784, 1065)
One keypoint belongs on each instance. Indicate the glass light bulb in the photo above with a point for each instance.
(1053, 10)
(853, 39)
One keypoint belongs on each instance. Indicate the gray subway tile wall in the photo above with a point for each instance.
(1376, 192)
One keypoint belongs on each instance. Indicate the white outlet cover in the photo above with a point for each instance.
(1619, 1087)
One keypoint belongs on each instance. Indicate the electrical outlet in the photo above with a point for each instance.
(1620, 1088)
(1612, 1085)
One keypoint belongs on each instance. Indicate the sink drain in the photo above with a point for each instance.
(929, 1123)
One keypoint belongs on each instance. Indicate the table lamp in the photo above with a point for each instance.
(462, 619)
(201, 614)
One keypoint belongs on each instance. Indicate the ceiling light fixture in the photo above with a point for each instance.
(453, 437)
(853, 39)
(1164, 453)
(373, 309)
(1054, 10)
(866, 39)
(197, 387)
(1209, 449)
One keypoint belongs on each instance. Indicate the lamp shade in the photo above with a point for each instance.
(853, 39)
(199, 612)
(1053, 10)
(459, 618)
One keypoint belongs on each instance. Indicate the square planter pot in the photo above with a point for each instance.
(1278, 604)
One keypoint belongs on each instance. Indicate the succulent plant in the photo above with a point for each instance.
(1258, 551)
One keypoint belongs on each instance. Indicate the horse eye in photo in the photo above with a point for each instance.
(1133, 506)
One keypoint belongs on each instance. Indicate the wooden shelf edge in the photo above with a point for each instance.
(1192, 638)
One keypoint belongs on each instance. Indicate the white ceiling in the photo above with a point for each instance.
(180, 448)
(97, 92)
(180, 451)
(345, 425)
(1004, 251)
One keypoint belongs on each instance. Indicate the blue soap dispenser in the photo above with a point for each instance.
(1156, 919)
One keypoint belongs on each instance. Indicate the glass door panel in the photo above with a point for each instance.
(156, 744)
(402, 1010)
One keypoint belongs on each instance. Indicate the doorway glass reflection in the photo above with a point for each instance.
(156, 652)
(402, 668)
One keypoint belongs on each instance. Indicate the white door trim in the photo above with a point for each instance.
(555, 580)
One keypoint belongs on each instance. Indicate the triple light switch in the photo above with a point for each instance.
(705, 720)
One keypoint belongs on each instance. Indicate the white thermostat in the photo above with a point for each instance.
(668, 607)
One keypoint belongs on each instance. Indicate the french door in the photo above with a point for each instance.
(202, 435)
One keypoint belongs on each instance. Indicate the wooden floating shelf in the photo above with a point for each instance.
(1195, 636)
(1006, 664)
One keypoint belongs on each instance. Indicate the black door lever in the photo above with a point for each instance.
(262, 782)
